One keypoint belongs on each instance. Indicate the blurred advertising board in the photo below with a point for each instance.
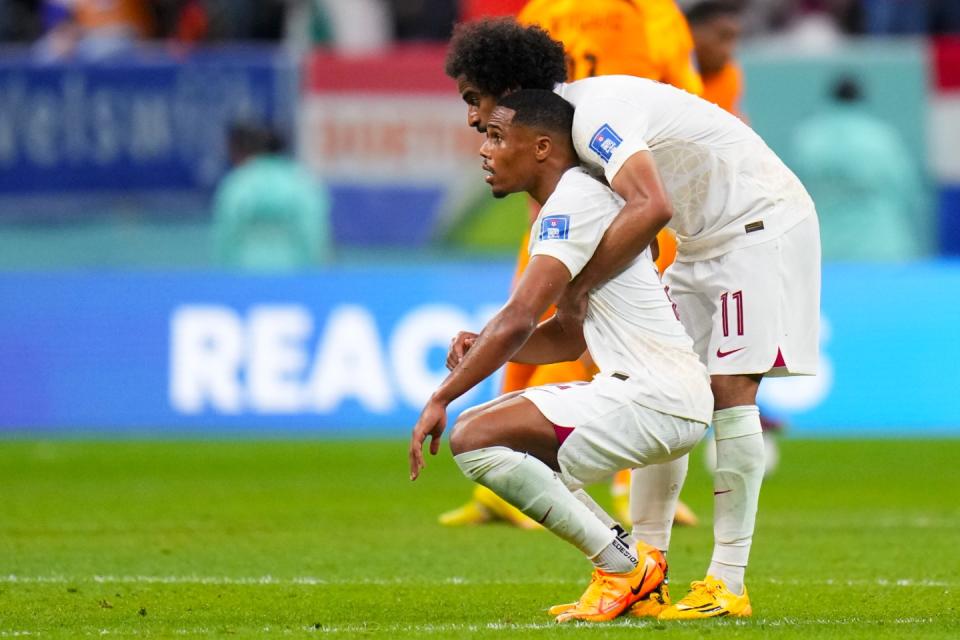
(388, 133)
(342, 349)
(153, 121)
(358, 350)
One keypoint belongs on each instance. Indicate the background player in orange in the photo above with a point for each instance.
(646, 38)
(716, 28)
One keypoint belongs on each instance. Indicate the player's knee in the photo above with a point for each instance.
(470, 413)
(468, 434)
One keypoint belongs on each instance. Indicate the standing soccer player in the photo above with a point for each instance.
(649, 404)
(746, 279)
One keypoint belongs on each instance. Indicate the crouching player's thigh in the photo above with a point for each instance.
(601, 428)
(510, 421)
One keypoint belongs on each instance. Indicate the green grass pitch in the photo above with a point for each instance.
(329, 539)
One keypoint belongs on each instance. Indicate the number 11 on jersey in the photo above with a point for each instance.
(738, 299)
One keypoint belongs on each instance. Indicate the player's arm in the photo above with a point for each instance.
(540, 286)
(646, 210)
(550, 343)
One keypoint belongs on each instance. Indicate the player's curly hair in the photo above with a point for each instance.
(499, 54)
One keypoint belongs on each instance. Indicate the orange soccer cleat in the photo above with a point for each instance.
(610, 594)
(709, 598)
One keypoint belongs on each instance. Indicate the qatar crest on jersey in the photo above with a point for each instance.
(604, 141)
(555, 228)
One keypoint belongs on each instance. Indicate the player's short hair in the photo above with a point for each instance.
(499, 54)
(702, 12)
(541, 109)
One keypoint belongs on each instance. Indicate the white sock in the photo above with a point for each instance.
(654, 491)
(608, 520)
(532, 487)
(616, 557)
(736, 491)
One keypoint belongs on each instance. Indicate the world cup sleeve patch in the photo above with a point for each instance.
(555, 228)
(604, 141)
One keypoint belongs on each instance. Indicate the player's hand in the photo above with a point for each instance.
(432, 422)
(571, 310)
(459, 346)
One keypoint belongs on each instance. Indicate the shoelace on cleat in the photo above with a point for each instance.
(701, 593)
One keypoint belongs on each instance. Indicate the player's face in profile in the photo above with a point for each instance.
(479, 104)
(509, 154)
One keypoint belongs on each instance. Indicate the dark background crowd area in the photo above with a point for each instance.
(219, 20)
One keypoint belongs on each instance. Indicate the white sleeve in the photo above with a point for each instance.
(606, 132)
(568, 231)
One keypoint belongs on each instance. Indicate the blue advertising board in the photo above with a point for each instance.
(151, 120)
(359, 349)
(343, 349)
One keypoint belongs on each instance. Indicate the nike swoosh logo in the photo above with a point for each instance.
(612, 605)
(544, 518)
(636, 590)
(718, 493)
(724, 354)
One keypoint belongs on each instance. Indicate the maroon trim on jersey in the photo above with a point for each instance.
(562, 433)
(779, 362)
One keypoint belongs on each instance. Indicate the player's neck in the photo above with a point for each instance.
(544, 187)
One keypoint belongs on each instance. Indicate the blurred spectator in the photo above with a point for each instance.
(18, 20)
(351, 28)
(911, 16)
(763, 15)
(269, 213)
(862, 179)
(423, 19)
(93, 29)
(716, 27)
(896, 16)
(215, 20)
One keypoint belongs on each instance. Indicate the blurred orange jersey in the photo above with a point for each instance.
(101, 14)
(646, 38)
(724, 88)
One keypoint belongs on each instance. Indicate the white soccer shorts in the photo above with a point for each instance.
(602, 429)
(755, 310)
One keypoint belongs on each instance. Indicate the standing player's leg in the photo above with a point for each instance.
(764, 306)
(739, 474)
(713, 313)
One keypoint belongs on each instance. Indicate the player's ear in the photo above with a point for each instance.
(543, 148)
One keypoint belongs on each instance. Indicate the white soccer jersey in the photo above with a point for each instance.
(728, 189)
(631, 326)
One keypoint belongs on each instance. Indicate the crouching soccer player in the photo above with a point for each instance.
(649, 404)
